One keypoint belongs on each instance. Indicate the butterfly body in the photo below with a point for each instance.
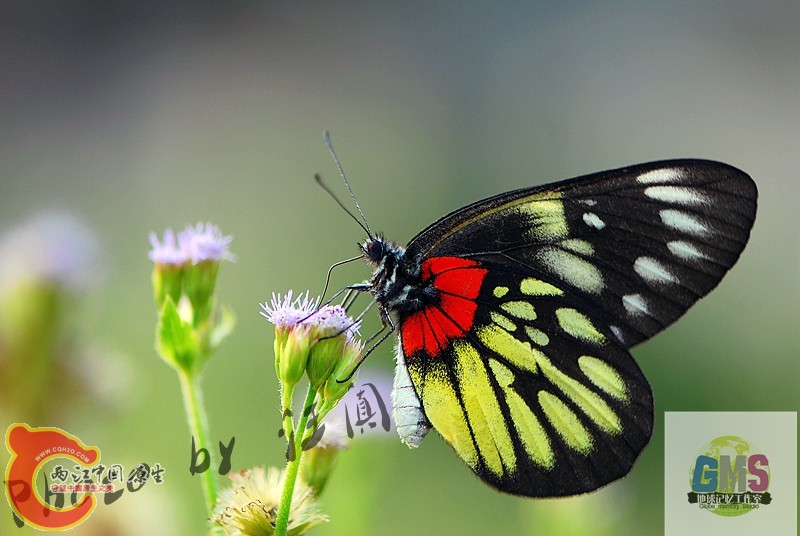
(395, 284)
(515, 314)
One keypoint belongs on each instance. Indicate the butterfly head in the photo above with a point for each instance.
(376, 249)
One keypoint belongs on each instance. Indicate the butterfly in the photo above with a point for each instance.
(515, 315)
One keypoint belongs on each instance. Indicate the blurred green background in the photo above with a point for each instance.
(137, 116)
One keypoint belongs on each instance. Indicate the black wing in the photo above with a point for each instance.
(635, 246)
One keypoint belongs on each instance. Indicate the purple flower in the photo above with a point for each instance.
(333, 319)
(326, 321)
(205, 242)
(286, 313)
(308, 338)
(52, 246)
(195, 244)
(168, 252)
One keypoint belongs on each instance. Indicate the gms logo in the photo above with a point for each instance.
(730, 477)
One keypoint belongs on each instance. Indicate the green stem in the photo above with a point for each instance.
(286, 410)
(293, 465)
(198, 424)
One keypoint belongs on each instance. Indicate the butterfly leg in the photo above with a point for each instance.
(386, 322)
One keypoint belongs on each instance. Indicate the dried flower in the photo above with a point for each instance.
(250, 506)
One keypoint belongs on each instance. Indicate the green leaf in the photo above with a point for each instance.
(176, 341)
(224, 326)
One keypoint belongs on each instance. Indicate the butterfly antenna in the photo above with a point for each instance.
(347, 211)
(365, 225)
(328, 278)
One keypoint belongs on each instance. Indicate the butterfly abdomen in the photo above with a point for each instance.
(409, 418)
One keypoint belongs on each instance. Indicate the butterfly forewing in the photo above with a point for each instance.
(637, 245)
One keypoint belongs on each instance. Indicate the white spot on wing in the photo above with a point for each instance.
(683, 221)
(593, 220)
(617, 333)
(660, 175)
(676, 194)
(635, 305)
(685, 250)
(577, 245)
(653, 271)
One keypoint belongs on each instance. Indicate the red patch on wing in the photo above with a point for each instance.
(432, 328)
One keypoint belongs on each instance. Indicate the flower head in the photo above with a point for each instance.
(307, 338)
(187, 264)
(285, 313)
(250, 506)
(334, 330)
(191, 324)
(51, 247)
(195, 244)
(47, 261)
(168, 251)
(205, 242)
(293, 336)
(333, 320)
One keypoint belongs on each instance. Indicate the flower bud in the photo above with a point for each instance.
(167, 280)
(334, 328)
(322, 359)
(200, 280)
(344, 373)
(319, 461)
(169, 262)
(291, 358)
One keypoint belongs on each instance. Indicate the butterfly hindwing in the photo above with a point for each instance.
(533, 395)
